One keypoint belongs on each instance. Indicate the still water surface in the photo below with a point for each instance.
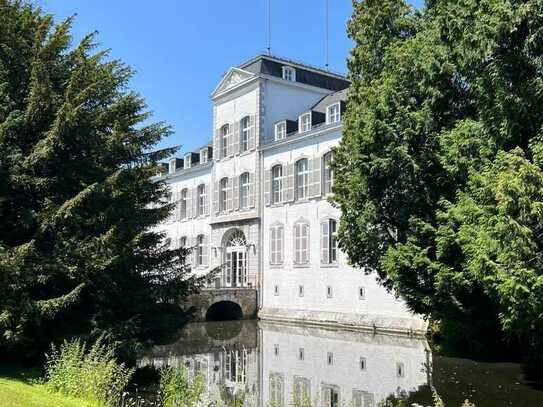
(267, 363)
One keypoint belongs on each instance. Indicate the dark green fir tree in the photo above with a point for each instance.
(78, 207)
(439, 173)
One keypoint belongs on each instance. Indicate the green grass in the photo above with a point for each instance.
(18, 388)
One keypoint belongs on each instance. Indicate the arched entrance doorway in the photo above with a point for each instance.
(235, 260)
(224, 311)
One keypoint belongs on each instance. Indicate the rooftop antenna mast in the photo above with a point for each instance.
(268, 22)
(326, 56)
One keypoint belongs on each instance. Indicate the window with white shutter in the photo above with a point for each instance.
(245, 134)
(302, 179)
(183, 204)
(277, 184)
(276, 244)
(201, 251)
(327, 173)
(225, 133)
(202, 197)
(223, 194)
(301, 243)
(328, 242)
(244, 190)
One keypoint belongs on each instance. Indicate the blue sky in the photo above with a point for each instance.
(180, 49)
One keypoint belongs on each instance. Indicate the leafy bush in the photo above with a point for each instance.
(177, 390)
(92, 374)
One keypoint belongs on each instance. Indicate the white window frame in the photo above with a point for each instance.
(329, 241)
(289, 73)
(203, 156)
(301, 291)
(301, 179)
(225, 134)
(333, 117)
(223, 194)
(244, 190)
(277, 184)
(301, 243)
(187, 161)
(304, 125)
(245, 126)
(276, 244)
(280, 130)
(202, 196)
(327, 172)
(183, 242)
(329, 291)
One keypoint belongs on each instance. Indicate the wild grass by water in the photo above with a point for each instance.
(91, 374)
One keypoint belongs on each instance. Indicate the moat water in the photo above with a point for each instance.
(263, 363)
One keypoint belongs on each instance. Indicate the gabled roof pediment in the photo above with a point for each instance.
(233, 77)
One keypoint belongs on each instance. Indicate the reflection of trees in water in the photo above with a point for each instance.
(223, 331)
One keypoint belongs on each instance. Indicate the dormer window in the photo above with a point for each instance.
(280, 130)
(289, 73)
(305, 122)
(333, 113)
(203, 156)
(187, 161)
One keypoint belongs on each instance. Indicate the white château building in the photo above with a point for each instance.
(255, 201)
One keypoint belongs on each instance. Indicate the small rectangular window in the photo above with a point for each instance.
(280, 131)
(400, 370)
(276, 290)
(301, 290)
(362, 363)
(203, 156)
(333, 114)
(329, 292)
(289, 73)
(330, 358)
(305, 122)
(301, 354)
(361, 293)
(276, 349)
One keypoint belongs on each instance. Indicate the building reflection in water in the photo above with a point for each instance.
(282, 365)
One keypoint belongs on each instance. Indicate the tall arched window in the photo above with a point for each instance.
(301, 243)
(245, 133)
(223, 194)
(225, 134)
(277, 184)
(302, 178)
(327, 173)
(183, 204)
(202, 196)
(244, 190)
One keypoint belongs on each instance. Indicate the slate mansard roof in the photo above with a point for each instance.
(306, 74)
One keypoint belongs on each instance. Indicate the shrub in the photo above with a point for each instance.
(177, 390)
(93, 374)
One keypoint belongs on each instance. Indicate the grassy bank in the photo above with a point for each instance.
(18, 388)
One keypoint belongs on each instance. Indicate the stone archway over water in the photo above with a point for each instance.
(224, 311)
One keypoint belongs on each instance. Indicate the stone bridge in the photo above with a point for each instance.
(222, 304)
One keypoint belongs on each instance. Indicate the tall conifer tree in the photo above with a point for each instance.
(439, 171)
(78, 253)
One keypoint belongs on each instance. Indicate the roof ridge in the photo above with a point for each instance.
(296, 62)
